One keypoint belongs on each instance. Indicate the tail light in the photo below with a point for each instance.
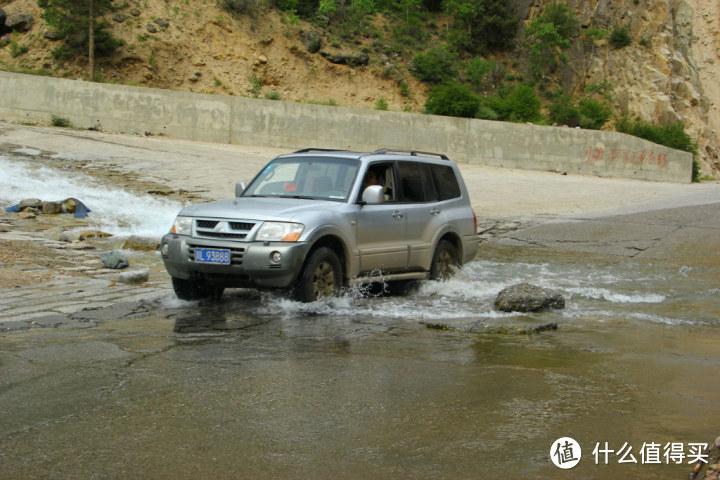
(475, 222)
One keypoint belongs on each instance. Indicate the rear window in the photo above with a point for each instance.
(446, 183)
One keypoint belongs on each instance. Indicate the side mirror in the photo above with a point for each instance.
(239, 188)
(373, 195)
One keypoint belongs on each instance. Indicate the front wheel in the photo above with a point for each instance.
(194, 290)
(445, 261)
(321, 276)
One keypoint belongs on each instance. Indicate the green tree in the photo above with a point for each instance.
(546, 47)
(548, 36)
(480, 24)
(561, 15)
(79, 24)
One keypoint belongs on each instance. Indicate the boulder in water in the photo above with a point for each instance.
(525, 297)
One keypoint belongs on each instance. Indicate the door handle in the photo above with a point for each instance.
(434, 211)
(397, 214)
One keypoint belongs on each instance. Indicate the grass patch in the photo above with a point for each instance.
(56, 121)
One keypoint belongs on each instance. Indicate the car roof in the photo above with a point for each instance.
(384, 154)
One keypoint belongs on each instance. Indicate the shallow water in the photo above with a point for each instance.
(258, 386)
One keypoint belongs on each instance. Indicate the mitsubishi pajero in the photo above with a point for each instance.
(315, 221)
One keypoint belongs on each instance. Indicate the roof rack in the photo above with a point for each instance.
(306, 150)
(410, 152)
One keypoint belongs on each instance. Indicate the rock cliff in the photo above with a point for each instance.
(667, 73)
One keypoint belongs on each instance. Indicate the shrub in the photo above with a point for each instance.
(563, 110)
(486, 112)
(481, 23)
(452, 99)
(670, 135)
(593, 113)
(595, 33)
(562, 17)
(59, 121)
(256, 85)
(381, 104)
(17, 50)
(236, 7)
(326, 8)
(619, 37)
(437, 65)
(364, 6)
(477, 72)
(518, 104)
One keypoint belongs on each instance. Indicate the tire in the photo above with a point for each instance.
(401, 287)
(321, 276)
(194, 290)
(445, 261)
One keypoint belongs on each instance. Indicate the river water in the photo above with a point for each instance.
(258, 386)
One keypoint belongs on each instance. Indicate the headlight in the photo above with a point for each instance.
(182, 226)
(279, 232)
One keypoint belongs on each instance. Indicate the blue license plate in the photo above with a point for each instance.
(212, 255)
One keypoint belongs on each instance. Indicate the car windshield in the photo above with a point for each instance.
(320, 178)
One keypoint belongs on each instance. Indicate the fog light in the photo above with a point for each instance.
(276, 257)
(164, 250)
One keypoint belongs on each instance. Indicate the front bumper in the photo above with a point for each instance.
(251, 262)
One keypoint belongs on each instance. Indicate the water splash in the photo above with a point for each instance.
(595, 292)
(114, 210)
(617, 297)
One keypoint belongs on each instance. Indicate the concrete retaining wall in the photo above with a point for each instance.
(226, 119)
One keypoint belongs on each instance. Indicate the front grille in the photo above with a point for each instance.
(241, 226)
(236, 236)
(224, 229)
(206, 223)
(236, 253)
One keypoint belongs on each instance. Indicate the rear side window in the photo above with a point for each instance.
(416, 181)
(446, 183)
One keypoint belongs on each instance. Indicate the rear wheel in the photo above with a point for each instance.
(445, 261)
(194, 290)
(321, 276)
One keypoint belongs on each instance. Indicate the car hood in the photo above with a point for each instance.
(258, 208)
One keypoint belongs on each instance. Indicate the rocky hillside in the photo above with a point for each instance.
(667, 73)
(670, 70)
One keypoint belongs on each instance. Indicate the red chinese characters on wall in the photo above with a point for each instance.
(633, 157)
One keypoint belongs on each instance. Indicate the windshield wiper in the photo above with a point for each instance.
(301, 197)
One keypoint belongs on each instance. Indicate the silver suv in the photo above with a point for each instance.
(317, 220)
